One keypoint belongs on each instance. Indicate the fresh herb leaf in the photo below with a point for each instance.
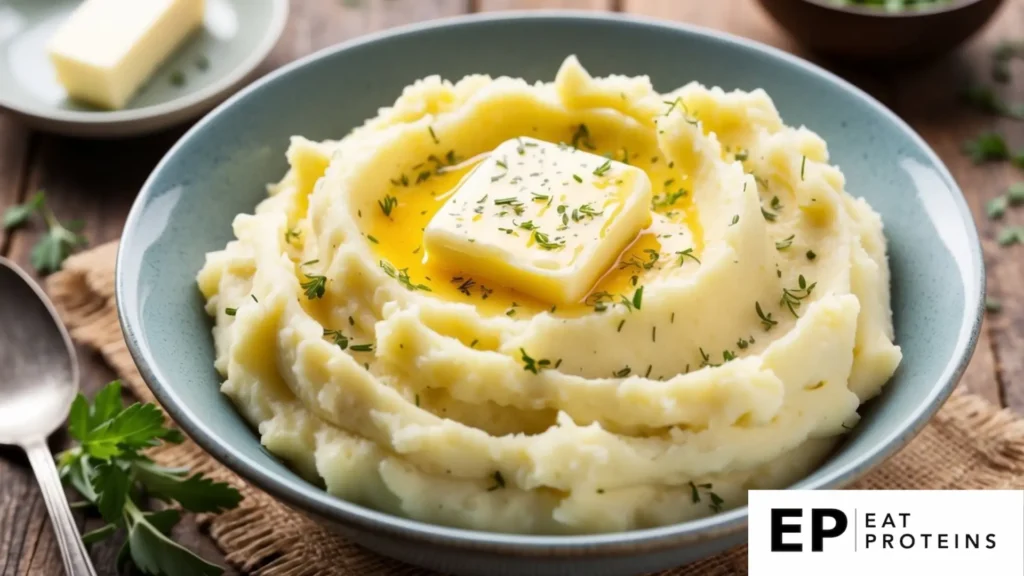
(17, 215)
(766, 319)
(996, 207)
(108, 468)
(688, 253)
(531, 364)
(339, 338)
(987, 147)
(1015, 195)
(387, 204)
(314, 287)
(1010, 235)
(59, 241)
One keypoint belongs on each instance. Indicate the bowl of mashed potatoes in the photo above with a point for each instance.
(555, 308)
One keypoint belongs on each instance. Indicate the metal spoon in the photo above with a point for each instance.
(38, 381)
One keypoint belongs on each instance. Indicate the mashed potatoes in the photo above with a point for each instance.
(727, 347)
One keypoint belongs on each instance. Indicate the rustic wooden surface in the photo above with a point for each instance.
(79, 183)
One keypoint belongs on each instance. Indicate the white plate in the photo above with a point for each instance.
(236, 37)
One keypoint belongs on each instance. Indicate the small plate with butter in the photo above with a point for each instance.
(115, 68)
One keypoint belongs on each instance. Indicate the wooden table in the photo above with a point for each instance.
(80, 183)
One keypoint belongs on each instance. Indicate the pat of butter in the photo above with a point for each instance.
(545, 219)
(108, 48)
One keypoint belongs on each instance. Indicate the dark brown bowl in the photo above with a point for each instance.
(859, 33)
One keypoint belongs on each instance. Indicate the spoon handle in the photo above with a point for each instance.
(76, 559)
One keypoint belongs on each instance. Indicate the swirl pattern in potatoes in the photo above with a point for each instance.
(726, 345)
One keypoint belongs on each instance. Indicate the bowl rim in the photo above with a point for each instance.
(190, 102)
(316, 502)
(868, 11)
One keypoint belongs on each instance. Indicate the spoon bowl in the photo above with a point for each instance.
(38, 383)
(38, 371)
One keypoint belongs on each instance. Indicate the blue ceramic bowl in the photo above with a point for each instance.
(220, 167)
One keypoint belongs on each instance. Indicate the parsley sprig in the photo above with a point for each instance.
(109, 469)
(792, 297)
(60, 240)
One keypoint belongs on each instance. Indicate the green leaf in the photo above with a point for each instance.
(75, 469)
(1015, 194)
(154, 553)
(54, 248)
(137, 426)
(996, 207)
(987, 147)
(111, 483)
(164, 520)
(94, 536)
(195, 493)
(106, 404)
(1010, 235)
(17, 215)
(78, 419)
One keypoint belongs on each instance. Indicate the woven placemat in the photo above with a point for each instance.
(970, 444)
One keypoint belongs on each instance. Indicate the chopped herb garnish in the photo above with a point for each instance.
(600, 170)
(432, 135)
(785, 243)
(667, 199)
(339, 338)
(803, 165)
(688, 253)
(231, 311)
(362, 348)
(402, 276)
(372, 239)
(768, 215)
(735, 219)
(546, 243)
(811, 255)
(315, 286)
(622, 373)
(791, 298)
(577, 178)
(292, 234)
(532, 365)
(387, 204)
(766, 319)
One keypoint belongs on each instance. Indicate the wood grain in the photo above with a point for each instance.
(15, 144)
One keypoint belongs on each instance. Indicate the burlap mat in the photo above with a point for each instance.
(969, 444)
